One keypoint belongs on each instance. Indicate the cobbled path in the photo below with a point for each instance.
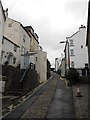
(40, 107)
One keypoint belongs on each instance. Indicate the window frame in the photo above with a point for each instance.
(72, 64)
(71, 42)
(14, 60)
(24, 38)
(15, 48)
(71, 52)
(2, 54)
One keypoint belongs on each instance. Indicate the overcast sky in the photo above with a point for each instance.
(52, 20)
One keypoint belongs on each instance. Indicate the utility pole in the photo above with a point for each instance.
(67, 44)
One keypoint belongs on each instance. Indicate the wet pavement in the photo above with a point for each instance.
(62, 105)
(53, 100)
(82, 104)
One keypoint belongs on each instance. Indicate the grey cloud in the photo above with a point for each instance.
(77, 9)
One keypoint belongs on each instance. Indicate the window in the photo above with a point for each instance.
(2, 54)
(14, 60)
(10, 25)
(71, 42)
(86, 65)
(36, 59)
(15, 48)
(72, 64)
(72, 52)
(24, 37)
(23, 50)
(2, 41)
(81, 46)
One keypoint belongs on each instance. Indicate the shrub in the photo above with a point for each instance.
(72, 75)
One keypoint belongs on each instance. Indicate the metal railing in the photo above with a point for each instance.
(31, 66)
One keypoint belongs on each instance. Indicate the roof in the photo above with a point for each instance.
(88, 22)
(76, 32)
(21, 26)
(73, 34)
(10, 41)
(3, 10)
(33, 34)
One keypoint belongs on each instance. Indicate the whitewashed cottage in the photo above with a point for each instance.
(76, 50)
(15, 32)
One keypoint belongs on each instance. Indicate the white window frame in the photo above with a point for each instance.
(71, 42)
(71, 52)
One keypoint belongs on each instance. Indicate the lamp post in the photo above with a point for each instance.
(67, 43)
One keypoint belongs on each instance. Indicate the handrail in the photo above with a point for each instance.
(24, 73)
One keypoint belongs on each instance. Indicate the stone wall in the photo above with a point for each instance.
(14, 76)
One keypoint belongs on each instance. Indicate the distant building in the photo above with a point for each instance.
(88, 34)
(56, 64)
(76, 51)
(62, 67)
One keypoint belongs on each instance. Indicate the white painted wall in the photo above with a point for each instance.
(41, 65)
(23, 35)
(62, 67)
(80, 56)
(36, 45)
(12, 30)
(40, 61)
(31, 59)
(8, 47)
(2, 21)
(57, 63)
(16, 33)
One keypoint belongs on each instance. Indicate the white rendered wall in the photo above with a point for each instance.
(41, 66)
(2, 21)
(9, 47)
(81, 54)
(12, 30)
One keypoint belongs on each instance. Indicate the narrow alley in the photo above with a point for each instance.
(53, 100)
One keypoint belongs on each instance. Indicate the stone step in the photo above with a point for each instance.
(3, 78)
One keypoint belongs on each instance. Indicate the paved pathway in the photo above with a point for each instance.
(55, 102)
(62, 105)
(81, 103)
(40, 107)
